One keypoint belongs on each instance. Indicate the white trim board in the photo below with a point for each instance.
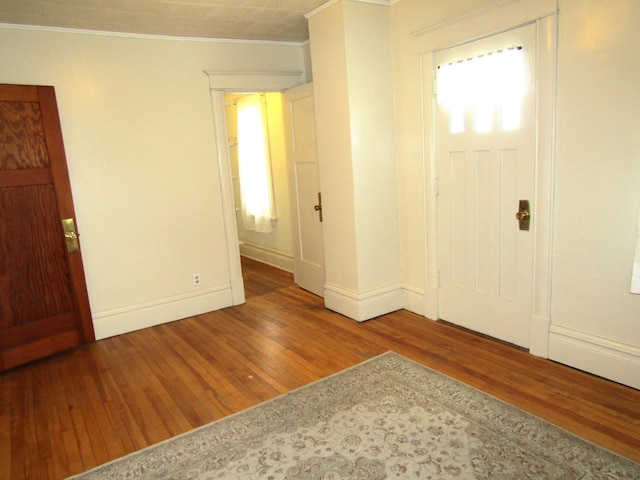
(413, 299)
(219, 83)
(610, 359)
(384, 3)
(502, 16)
(149, 314)
(361, 306)
(270, 256)
(147, 36)
(254, 81)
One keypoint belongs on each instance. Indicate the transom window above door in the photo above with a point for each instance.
(491, 86)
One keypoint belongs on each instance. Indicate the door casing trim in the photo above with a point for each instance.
(470, 27)
(219, 84)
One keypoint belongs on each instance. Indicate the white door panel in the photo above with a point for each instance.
(307, 188)
(485, 261)
(302, 157)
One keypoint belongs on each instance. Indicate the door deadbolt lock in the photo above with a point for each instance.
(524, 215)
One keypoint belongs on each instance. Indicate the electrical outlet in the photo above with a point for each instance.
(196, 279)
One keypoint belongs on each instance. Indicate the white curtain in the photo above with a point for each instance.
(254, 164)
(483, 83)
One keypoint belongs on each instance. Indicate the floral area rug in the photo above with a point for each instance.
(386, 418)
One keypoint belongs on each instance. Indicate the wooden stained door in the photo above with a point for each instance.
(485, 260)
(304, 187)
(44, 306)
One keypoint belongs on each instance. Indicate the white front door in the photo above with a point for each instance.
(304, 185)
(484, 168)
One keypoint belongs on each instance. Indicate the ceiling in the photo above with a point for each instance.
(265, 20)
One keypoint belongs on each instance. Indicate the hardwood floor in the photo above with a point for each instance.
(73, 411)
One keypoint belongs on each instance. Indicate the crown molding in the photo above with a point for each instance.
(148, 36)
(386, 3)
(254, 81)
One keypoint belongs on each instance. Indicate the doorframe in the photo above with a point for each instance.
(485, 22)
(221, 82)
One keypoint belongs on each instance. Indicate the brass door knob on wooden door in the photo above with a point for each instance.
(70, 235)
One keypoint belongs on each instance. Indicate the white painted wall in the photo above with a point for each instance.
(331, 91)
(351, 57)
(371, 110)
(598, 187)
(136, 119)
(138, 130)
(594, 318)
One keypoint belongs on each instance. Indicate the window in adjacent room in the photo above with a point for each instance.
(257, 204)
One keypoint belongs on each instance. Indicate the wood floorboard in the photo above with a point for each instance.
(75, 410)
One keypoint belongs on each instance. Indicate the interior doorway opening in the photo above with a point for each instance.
(273, 247)
(221, 82)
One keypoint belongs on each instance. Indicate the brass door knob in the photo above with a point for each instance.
(524, 215)
(318, 208)
(70, 235)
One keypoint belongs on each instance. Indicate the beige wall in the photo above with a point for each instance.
(596, 189)
(138, 130)
(598, 179)
(353, 85)
(136, 118)
(331, 91)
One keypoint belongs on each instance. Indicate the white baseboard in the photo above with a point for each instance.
(124, 320)
(363, 306)
(413, 299)
(270, 256)
(539, 336)
(606, 358)
(237, 289)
